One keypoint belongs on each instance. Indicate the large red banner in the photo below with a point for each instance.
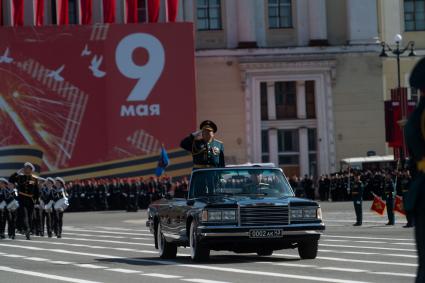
(90, 94)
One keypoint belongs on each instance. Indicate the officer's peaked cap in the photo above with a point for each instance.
(28, 164)
(207, 124)
(60, 180)
(3, 180)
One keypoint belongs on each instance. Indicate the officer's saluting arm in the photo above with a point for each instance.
(187, 142)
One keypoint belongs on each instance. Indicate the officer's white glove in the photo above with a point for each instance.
(21, 171)
(197, 133)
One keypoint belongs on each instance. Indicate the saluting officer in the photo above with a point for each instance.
(207, 152)
(414, 132)
(28, 194)
(357, 197)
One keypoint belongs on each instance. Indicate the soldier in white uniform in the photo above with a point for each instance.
(46, 203)
(60, 204)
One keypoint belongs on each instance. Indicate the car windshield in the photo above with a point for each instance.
(240, 182)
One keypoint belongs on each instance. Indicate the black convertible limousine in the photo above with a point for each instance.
(246, 209)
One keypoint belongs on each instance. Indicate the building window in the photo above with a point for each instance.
(73, 12)
(288, 147)
(414, 15)
(208, 14)
(286, 100)
(310, 101)
(141, 11)
(280, 14)
(265, 153)
(264, 102)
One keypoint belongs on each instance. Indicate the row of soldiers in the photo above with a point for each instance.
(337, 186)
(122, 193)
(31, 205)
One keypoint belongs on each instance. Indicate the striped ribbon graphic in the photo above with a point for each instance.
(180, 165)
(12, 158)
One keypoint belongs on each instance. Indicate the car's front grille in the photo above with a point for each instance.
(264, 215)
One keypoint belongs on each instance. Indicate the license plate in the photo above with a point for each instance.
(260, 234)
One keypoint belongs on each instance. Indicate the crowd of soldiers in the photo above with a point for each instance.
(337, 186)
(31, 205)
(128, 194)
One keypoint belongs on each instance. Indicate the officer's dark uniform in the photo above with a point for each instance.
(357, 197)
(389, 199)
(2, 213)
(414, 132)
(28, 195)
(11, 216)
(205, 154)
(404, 188)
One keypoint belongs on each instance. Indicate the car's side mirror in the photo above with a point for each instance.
(190, 202)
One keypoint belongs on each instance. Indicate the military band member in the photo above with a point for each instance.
(46, 196)
(414, 132)
(389, 192)
(3, 210)
(11, 212)
(28, 191)
(357, 197)
(206, 151)
(60, 200)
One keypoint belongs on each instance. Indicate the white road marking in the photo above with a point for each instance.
(123, 270)
(44, 275)
(121, 229)
(343, 269)
(61, 262)
(294, 265)
(94, 235)
(405, 244)
(13, 256)
(107, 241)
(366, 253)
(202, 281)
(366, 238)
(91, 266)
(354, 260)
(160, 275)
(395, 274)
(110, 232)
(367, 247)
(36, 259)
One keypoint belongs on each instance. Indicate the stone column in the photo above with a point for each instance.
(304, 160)
(301, 106)
(246, 23)
(362, 21)
(271, 101)
(273, 148)
(317, 22)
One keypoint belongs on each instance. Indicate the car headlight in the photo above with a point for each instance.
(228, 215)
(306, 213)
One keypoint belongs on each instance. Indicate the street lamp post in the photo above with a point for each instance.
(398, 51)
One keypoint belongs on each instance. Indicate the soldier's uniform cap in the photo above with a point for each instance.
(208, 125)
(60, 180)
(3, 180)
(417, 77)
(50, 179)
(28, 164)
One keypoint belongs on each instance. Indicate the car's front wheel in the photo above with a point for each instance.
(198, 251)
(308, 250)
(166, 250)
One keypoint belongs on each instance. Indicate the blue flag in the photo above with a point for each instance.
(162, 162)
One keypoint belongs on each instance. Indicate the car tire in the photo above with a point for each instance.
(265, 252)
(198, 251)
(166, 249)
(308, 250)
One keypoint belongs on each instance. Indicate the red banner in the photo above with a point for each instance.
(100, 93)
(153, 11)
(63, 11)
(399, 207)
(18, 12)
(109, 11)
(39, 13)
(131, 11)
(86, 11)
(378, 205)
(173, 7)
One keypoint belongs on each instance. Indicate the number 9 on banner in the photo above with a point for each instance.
(148, 74)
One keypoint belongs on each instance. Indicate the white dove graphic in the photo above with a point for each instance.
(94, 67)
(56, 74)
(86, 51)
(5, 57)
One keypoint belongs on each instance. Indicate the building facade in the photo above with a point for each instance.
(295, 82)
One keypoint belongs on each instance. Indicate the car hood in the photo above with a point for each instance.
(254, 201)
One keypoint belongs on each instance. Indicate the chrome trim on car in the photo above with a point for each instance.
(246, 234)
